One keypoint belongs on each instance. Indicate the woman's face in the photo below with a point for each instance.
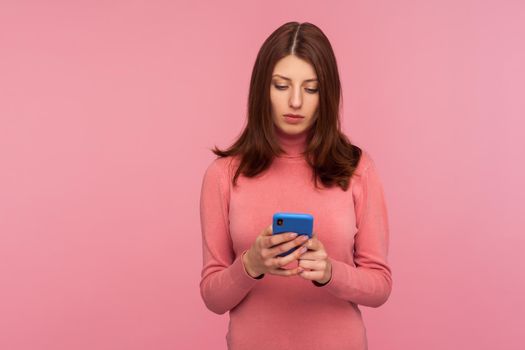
(294, 90)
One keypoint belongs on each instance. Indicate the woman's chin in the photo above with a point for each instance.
(292, 129)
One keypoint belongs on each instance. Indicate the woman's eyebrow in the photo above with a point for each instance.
(285, 78)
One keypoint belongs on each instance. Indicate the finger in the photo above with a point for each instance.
(285, 272)
(265, 235)
(315, 265)
(313, 255)
(278, 238)
(314, 244)
(312, 275)
(268, 230)
(284, 247)
(308, 255)
(285, 260)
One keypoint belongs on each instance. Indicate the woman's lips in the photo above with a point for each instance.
(293, 119)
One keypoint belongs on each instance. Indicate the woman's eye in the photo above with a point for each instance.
(283, 87)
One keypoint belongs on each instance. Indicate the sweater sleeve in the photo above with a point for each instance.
(370, 282)
(224, 280)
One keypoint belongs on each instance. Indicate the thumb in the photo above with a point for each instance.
(268, 230)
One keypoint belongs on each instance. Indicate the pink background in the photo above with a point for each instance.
(107, 112)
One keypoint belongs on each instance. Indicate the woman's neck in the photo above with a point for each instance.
(293, 144)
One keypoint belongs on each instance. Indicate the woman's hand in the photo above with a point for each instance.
(262, 256)
(315, 262)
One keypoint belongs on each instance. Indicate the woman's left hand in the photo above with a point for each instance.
(315, 263)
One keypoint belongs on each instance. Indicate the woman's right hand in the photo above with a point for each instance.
(262, 256)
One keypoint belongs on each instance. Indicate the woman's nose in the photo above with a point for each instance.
(296, 98)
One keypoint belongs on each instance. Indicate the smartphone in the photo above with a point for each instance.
(300, 223)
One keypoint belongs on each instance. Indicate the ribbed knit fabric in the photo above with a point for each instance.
(277, 312)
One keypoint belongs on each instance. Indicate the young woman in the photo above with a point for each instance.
(293, 157)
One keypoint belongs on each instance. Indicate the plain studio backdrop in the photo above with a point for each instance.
(107, 113)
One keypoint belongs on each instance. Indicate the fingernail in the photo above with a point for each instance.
(303, 249)
(292, 235)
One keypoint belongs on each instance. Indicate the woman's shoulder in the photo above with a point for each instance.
(365, 162)
(364, 171)
(221, 167)
(223, 162)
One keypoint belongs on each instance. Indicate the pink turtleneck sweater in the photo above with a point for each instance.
(277, 312)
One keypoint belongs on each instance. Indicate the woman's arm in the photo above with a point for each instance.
(224, 280)
(370, 282)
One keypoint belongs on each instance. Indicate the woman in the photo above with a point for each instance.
(301, 164)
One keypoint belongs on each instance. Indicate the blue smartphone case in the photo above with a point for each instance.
(300, 223)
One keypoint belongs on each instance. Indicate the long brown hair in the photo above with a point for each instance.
(329, 153)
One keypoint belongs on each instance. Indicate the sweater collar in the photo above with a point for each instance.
(293, 144)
